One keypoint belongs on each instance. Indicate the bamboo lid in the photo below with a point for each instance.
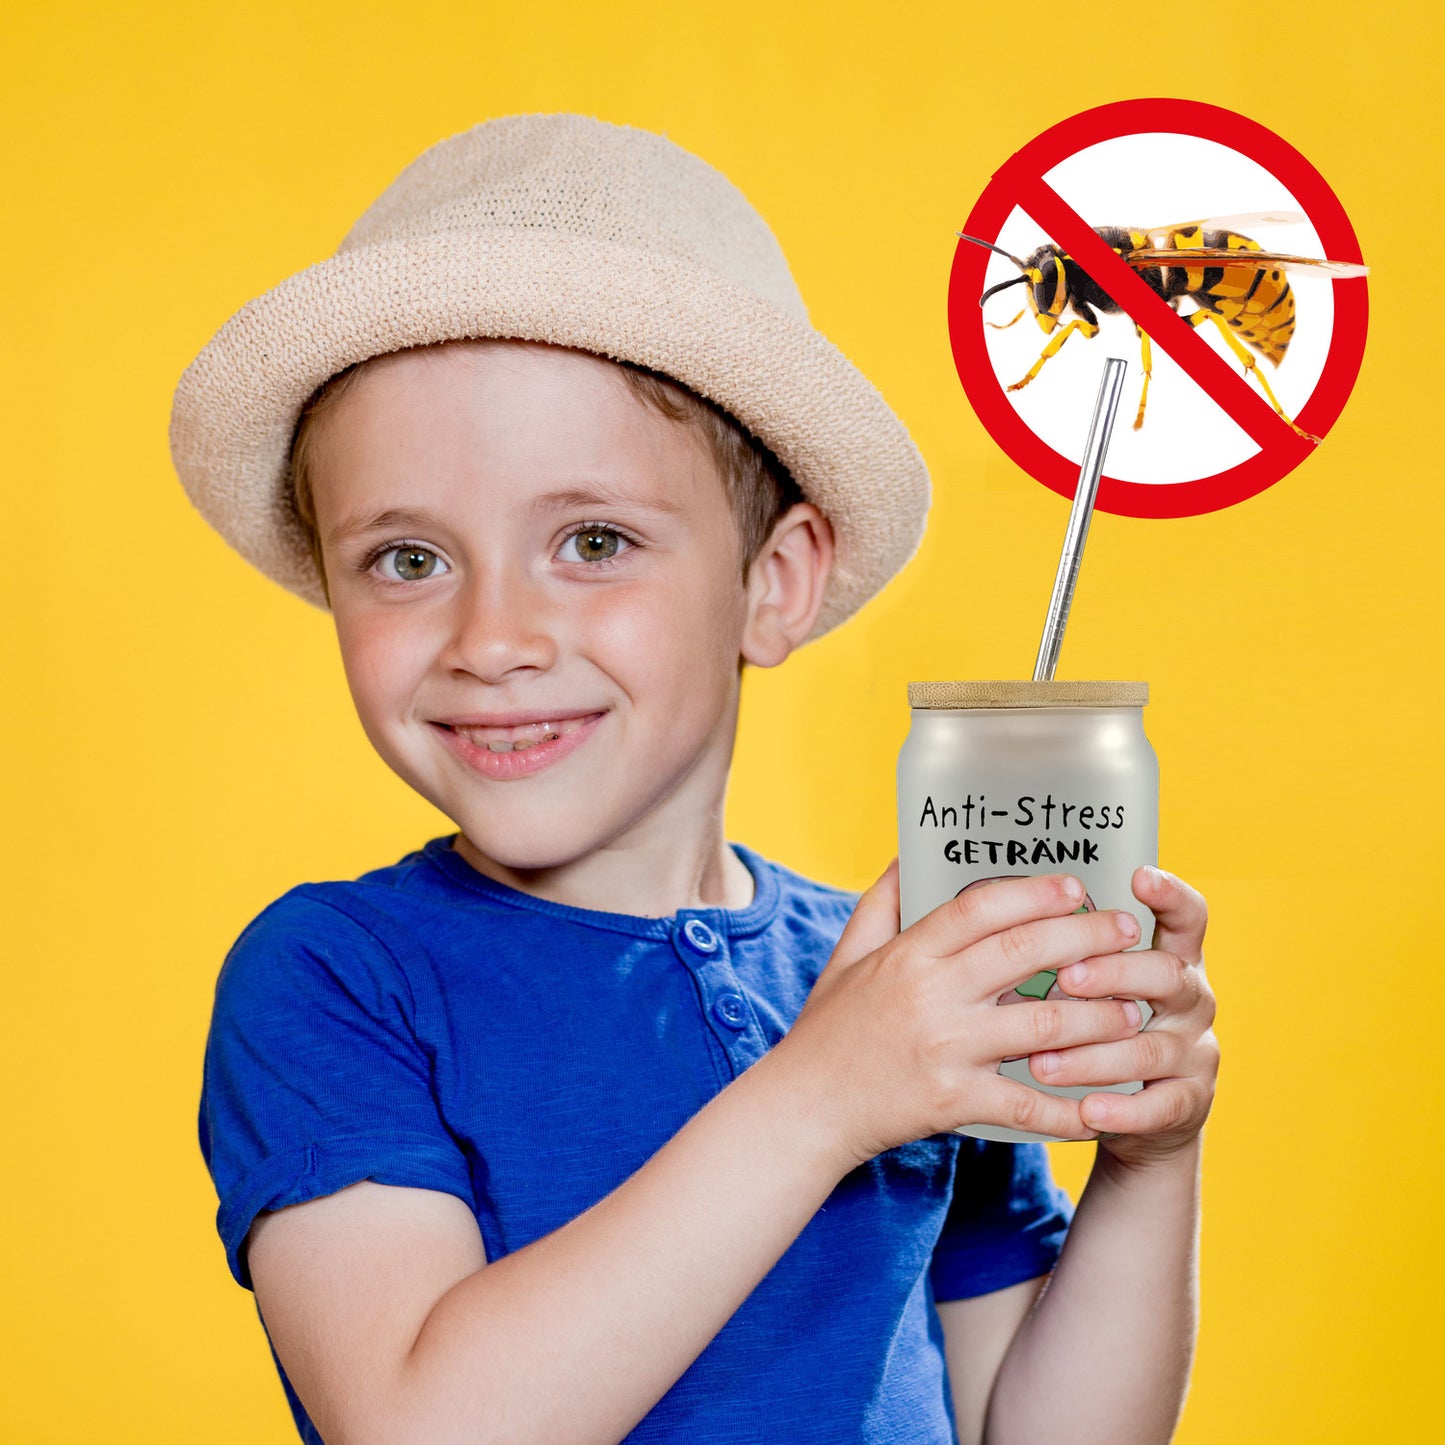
(1018, 693)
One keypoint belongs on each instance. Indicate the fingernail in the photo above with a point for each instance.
(1048, 1063)
(1097, 1113)
(1073, 889)
(1131, 1012)
(1075, 975)
(1128, 925)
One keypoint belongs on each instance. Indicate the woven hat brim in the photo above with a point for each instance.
(236, 407)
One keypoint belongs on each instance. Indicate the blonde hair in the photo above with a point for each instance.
(758, 486)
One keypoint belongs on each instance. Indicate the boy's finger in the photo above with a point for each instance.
(874, 921)
(1155, 1054)
(1017, 1106)
(1006, 958)
(1180, 913)
(1163, 1107)
(977, 913)
(1162, 978)
(1063, 1027)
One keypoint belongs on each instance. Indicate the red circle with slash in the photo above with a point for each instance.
(1020, 182)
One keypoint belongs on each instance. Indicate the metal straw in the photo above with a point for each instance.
(1100, 429)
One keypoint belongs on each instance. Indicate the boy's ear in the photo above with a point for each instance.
(785, 585)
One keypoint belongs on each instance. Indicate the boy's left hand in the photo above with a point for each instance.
(1175, 1054)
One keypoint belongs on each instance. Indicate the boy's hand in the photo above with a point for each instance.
(902, 1036)
(1176, 1054)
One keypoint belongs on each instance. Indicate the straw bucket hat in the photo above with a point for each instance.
(560, 229)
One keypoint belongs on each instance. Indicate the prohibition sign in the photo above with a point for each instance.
(1020, 182)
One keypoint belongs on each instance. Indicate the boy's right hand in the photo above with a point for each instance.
(902, 1036)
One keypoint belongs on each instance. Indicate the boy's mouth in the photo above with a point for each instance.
(508, 747)
(518, 739)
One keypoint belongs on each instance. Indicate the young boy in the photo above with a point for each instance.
(583, 1124)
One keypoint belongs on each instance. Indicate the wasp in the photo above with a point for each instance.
(1232, 281)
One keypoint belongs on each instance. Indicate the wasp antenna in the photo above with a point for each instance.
(1002, 286)
(989, 245)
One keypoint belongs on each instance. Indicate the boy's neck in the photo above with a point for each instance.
(709, 875)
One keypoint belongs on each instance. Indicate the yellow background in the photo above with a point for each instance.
(180, 747)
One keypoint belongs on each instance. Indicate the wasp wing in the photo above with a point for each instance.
(1255, 260)
(1159, 235)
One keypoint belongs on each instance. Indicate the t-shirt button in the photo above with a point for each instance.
(729, 1008)
(699, 935)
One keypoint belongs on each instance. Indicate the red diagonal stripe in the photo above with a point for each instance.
(1220, 381)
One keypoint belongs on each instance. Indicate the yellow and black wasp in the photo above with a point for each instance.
(1231, 279)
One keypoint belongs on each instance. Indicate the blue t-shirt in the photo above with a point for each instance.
(425, 1026)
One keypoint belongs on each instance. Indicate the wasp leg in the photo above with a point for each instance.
(1090, 330)
(1004, 325)
(1198, 318)
(1146, 360)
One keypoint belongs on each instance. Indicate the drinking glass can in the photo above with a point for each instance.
(1010, 779)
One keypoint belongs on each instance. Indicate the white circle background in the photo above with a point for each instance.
(1147, 181)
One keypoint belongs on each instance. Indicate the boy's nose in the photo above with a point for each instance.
(503, 624)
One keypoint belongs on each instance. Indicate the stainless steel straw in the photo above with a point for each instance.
(1079, 514)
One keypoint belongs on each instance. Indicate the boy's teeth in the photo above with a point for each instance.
(518, 739)
(520, 745)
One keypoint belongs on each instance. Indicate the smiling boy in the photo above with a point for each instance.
(584, 1124)
(515, 547)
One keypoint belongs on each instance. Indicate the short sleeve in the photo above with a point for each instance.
(1006, 1221)
(314, 1076)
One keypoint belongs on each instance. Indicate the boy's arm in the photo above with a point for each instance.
(1100, 1350)
(1106, 1354)
(392, 1328)
(976, 1335)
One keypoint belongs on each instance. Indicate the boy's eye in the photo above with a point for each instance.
(594, 544)
(410, 563)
